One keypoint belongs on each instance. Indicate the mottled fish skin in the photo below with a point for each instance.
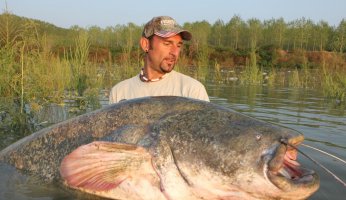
(213, 151)
(42, 152)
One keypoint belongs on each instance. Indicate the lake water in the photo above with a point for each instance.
(323, 122)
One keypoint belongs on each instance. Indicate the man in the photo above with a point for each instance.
(162, 40)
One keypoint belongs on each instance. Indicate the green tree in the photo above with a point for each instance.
(199, 43)
(322, 35)
(304, 30)
(274, 32)
(233, 32)
(96, 36)
(255, 32)
(216, 35)
(339, 39)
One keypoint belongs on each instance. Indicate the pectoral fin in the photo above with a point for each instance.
(102, 166)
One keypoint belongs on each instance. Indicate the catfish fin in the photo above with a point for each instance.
(102, 166)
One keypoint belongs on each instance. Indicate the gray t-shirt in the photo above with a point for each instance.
(173, 84)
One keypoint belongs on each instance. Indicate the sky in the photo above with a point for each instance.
(103, 13)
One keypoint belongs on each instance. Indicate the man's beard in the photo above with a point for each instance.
(167, 70)
(169, 67)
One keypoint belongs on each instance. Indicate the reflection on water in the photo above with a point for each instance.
(322, 122)
(303, 110)
(16, 186)
(48, 115)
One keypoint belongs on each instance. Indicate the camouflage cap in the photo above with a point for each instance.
(165, 26)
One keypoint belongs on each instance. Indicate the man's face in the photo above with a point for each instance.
(164, 52)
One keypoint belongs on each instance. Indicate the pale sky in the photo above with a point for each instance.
(103, 13)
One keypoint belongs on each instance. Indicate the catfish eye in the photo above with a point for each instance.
(258, 136)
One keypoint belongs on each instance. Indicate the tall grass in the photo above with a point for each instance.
(298, 77)
(31, 75)
(294, 79)
(274, 77)
(252, 74)
(217, 73)
(334, 83)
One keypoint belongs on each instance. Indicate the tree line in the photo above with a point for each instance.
(237, 34)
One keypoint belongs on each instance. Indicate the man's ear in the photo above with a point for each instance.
(145, 44)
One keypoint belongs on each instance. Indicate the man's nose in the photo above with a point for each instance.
(175, 50)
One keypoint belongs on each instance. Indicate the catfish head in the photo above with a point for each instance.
(227, 155)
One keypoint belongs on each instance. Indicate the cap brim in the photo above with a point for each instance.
(186, 35)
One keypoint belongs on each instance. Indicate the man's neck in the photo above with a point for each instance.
(148, 75)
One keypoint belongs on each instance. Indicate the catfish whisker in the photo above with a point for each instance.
(315, 161)
(321, 151)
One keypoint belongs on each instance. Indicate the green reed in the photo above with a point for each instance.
(217, 73)
(334, 83)
(274, 77)
(252, 74)
(294, 79)
(31, 73)
(306, 75)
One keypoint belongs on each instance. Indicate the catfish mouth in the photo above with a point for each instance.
(285, 172)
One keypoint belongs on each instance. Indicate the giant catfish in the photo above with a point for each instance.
(167, 148)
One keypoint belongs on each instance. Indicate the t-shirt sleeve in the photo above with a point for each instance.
(201, 93)
(112, 96)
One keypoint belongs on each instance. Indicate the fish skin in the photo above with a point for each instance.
(194, 137)
(42, 152)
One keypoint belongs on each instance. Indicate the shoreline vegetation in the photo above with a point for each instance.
(41, 63)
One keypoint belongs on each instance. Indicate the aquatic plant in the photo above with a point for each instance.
(252, 74)
(334, 84)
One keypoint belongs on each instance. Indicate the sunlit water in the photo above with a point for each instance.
(323, 122)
